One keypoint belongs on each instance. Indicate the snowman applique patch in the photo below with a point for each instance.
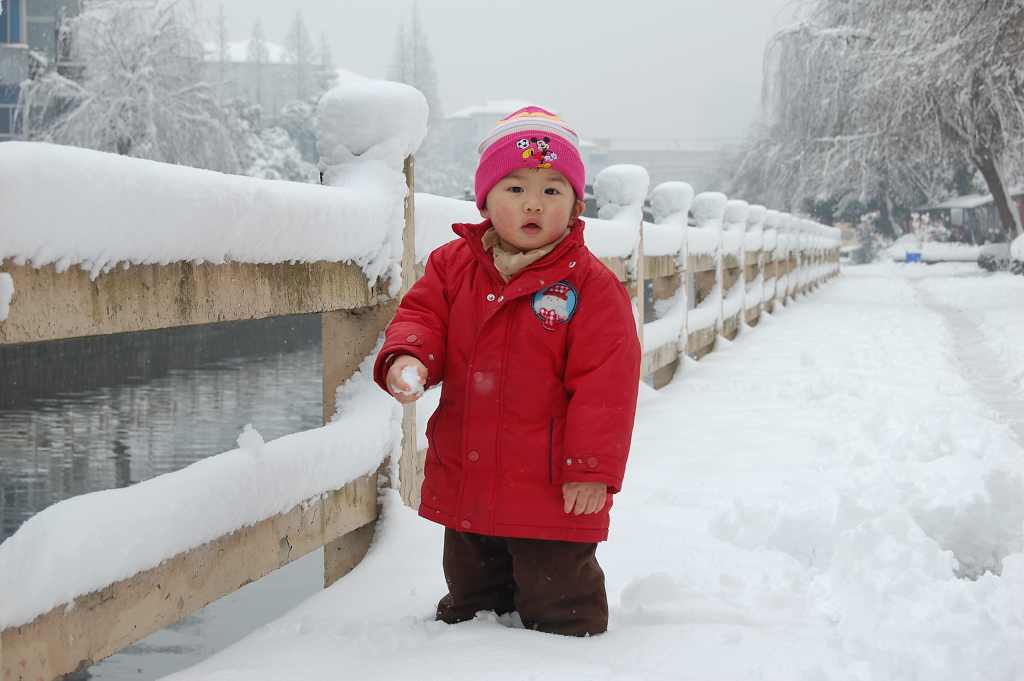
(555, 305)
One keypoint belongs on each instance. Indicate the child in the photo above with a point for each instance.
(536, 346)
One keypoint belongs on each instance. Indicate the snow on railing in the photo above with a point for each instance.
(160, 246)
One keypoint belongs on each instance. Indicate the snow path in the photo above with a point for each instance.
(826, 498)
(988, 378)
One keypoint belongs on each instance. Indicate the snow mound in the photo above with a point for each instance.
(933, 251)
(371, 119)
(620, 191)
(621, 188)
(736, 212)
(671, 201)
(1017, 249)
(709, 207)
(756, 215)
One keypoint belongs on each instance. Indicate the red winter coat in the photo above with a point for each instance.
(540, 380)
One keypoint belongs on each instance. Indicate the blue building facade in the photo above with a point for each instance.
(28, 40)
(13, 60)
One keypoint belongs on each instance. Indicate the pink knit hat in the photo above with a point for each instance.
(529, 138)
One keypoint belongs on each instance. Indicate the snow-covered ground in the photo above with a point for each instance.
(828, 497)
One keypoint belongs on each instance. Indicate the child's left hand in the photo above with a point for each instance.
(584, 497)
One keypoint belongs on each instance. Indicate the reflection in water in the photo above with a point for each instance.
(181, 402)
(114, 436)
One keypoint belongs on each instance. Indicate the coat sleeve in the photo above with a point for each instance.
(420, 326)
(602, 378)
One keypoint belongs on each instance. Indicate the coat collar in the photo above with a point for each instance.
(552, 267)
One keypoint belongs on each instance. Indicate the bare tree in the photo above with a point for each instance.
(882, 99)
(137, 90)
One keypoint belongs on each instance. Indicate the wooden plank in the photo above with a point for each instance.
(701, 263)
(731, 326)
(700, 343)
(664, 375)
(703, 284)
(660, 266)
(103, 622)
(730, 261)
(664, 288)
(753, 316)
(658, 358)
(50, 305)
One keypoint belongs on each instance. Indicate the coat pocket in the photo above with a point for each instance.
(432, 438)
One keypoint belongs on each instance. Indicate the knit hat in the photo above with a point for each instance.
(529, 138)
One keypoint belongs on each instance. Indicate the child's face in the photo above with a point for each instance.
(531, 208)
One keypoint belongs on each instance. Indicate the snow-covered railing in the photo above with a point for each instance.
(134, 245)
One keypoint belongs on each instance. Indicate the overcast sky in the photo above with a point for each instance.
(627, 68)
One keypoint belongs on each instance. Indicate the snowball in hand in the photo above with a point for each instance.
(412, 379)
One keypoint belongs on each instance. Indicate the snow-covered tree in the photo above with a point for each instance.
(326, 75)
(258, 54)
(883, 100)
(256, 51)
(223, 51)
(413, 63)
(438, 170)
(136, 90)
(300, 51)
(298, 120)
(268, 153)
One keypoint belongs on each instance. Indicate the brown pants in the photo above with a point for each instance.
(556, 586)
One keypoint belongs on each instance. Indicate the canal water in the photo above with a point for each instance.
(93, 414)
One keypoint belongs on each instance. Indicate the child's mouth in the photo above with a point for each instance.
(531, 228)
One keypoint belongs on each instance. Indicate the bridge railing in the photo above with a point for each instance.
(691, 284)
(123, 245)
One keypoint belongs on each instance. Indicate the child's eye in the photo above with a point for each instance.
(515, 190)
(551, 191)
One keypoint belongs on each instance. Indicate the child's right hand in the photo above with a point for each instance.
(400, 388)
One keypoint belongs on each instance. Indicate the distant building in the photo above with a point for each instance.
(467, 127)
(974, 218)
(271, 84)
(28, 41)
(696, 161)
